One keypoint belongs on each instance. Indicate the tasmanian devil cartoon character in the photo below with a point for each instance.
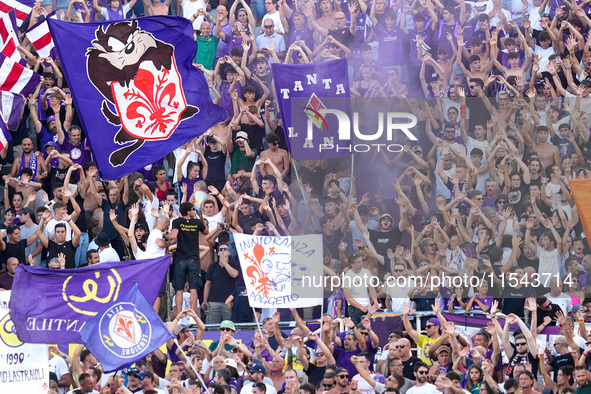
(137, 73)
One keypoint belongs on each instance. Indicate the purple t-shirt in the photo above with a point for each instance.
(391, 52)
(80, 154)
(488, 301)
(343, 359)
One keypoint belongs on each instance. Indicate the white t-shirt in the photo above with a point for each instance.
(544, 54)
(362, 386)
(424, 389)
(549, 264)
(108, 254)
(563, 301)
(152, 248)
(212, 221)
(59, 366)
(276, 20)
(190, 8)
(50, 229)
(358, 283)
(178, 154)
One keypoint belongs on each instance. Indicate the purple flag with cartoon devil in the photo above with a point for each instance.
(135, 89)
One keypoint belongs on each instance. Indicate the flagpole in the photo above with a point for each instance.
(187, 361)
(257, 322)
(352, 168)
(297, 179)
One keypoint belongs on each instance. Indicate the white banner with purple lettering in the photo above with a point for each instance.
(281, 272)
(24, 366)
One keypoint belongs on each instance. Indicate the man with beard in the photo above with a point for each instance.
(28, 159)
(79, 149)
(525, 349)
(421, 372)
(7, 278)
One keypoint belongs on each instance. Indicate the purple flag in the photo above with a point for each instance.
(11, 108)
(52, 305)
(125, 331)
(135, 88)
(307, 94)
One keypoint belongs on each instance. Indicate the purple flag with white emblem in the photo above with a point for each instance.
(51, 306)
(138, 95)
(314, 100)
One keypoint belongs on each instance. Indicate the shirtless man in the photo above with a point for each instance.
(327, 12)
(477, 69)
(513, 59)
(158, 8)
(548, 153)
(249, 95)
(278, 156)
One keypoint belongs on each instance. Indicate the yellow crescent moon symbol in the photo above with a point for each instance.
(8, 332)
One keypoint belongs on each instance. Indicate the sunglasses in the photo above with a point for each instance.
(343, 376)
(225, 329)
(422, 372)
(430, 326)
(320, 354)
(400, 346)
(521, 344)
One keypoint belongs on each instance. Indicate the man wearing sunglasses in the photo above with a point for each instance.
(433, 329)
(422, 385)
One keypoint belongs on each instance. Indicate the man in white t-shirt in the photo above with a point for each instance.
(273, 14)
(421, 372)
(208, 209)
(190, 8)
(358, 292)
(106, 252)
(363, 386)
(59, 366)
(157, 244)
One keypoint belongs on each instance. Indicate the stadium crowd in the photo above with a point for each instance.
(501, 93)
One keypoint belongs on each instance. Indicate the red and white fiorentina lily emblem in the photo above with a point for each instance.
(124, 327)
(151, 107)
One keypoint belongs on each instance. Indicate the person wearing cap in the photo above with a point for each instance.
(106, 252)
(256, 373)
(433, 329)
(388, 235)
(240, 152)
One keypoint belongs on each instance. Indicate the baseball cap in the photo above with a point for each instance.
(502, 197)
(211, 139)
(231, 363)
(416, 148)
(146, 374)
(50, 118)
(228, 324)
(257, 367)
(444, 348)
(50, 143)
(387, 215)
(577, 308)
(586, 83)
(241, 134)
(435, 321)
